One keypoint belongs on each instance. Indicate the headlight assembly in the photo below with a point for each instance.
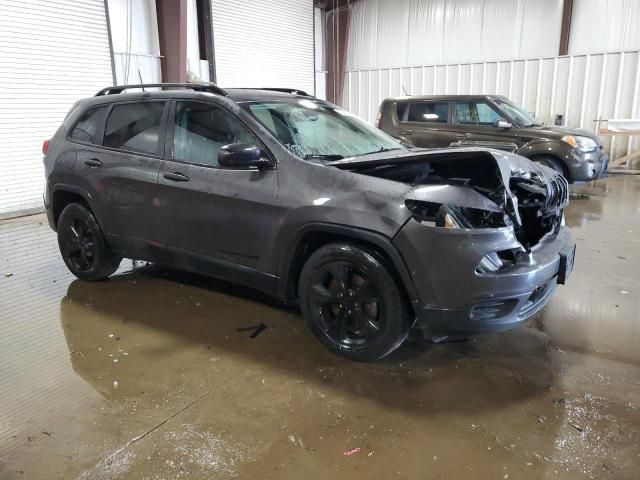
(584, 144)
(446, 216)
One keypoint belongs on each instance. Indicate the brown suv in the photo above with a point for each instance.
(492, 121)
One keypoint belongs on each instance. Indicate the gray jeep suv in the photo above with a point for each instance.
(297, 198)
(494, 121)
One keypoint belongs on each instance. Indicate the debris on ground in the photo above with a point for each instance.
(541, 418)
(258, 329)
(7, 275)
(115, 385)
(559, 401)
(353, 451)
(624, 292)
(577, 427)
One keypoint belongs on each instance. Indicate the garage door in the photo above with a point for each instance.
(51, 54)
(264, 43)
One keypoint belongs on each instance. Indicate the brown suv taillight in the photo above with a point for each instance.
(45, 147)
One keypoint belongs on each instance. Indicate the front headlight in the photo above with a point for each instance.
(584, 144)
(446, 216)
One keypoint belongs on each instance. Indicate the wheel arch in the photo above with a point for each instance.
(64, 195)
(313, 236)
(555, 149)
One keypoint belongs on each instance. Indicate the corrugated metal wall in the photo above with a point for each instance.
(264, 43)
(583, 88)
(51, 54)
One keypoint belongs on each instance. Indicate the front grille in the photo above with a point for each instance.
(557, 192)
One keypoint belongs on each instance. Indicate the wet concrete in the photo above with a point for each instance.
(147, 376)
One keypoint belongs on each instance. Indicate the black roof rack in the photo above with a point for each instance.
(294, 91)
(199, 87)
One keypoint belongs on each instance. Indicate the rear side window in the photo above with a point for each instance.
(134, 127)
(401, 107)
(429, 112)
(87, 127)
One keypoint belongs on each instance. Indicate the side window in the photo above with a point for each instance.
(201, 129)
(401, 107)
(429, 112)
(87, 127)
(134, 127)
(475, 113)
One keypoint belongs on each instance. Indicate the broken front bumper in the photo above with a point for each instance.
(456, 300)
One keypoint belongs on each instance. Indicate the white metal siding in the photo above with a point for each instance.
(51, 54)
(264, 43)
(582, 88)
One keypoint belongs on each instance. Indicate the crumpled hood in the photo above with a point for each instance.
(484, 179)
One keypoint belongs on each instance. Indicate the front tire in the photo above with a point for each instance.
(352, 303)
(552, 163)
(82, 245)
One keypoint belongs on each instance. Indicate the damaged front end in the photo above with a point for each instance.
(484, 242)
(470, 189)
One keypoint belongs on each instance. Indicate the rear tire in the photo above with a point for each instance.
(82, 245)
(352, 303)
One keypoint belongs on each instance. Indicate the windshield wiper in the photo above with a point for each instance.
(323, 156)
(380, 150)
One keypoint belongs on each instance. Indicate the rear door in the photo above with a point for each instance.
(119, 169)
(475, 120)
(217, 217)
(427, 124)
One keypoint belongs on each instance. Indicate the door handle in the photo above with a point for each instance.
(93, 162)
(407, 132)
(176, 177)
(462, 136)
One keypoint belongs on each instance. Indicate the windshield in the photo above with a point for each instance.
(519, 114)
(314, 129)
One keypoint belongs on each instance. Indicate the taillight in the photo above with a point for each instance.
(45, 147)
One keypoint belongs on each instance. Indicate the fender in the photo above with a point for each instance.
(289, 252)
(549, 147)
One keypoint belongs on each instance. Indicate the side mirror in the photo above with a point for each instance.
(243, 155)
(500, 123)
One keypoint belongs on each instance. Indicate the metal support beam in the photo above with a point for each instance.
(565, 30)
(172, 30)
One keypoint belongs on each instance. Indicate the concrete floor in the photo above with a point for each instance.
(195, 398)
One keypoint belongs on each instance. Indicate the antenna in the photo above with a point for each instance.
(140, 75)
(405, 91)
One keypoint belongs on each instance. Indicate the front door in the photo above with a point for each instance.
(214, 217)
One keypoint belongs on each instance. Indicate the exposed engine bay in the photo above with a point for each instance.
(522, 194)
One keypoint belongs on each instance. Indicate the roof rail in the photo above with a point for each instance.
(294, 91)
(199, 87)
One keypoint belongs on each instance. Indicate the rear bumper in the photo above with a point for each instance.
(455, 300)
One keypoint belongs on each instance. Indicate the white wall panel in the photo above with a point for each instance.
(393, 33)
(599, 26)
(136, 45)
(51, 54)
(582, 88)
(264, 43)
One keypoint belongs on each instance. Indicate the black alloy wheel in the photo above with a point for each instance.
(83, 246)
(352, 303)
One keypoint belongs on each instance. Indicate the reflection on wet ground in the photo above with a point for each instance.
(147, 376)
